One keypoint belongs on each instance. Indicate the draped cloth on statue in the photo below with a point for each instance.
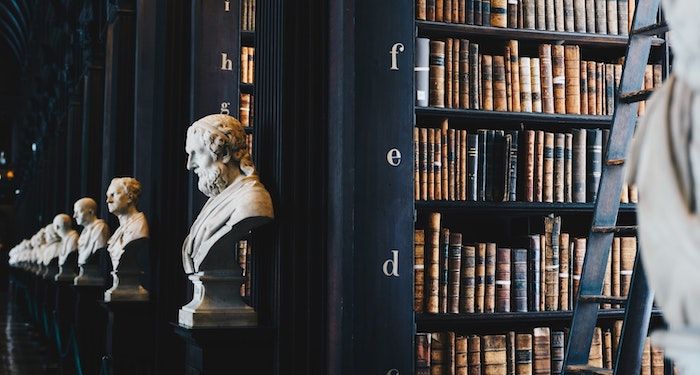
(135, 227)
(93, 238)
(665, 165)
(68, 244)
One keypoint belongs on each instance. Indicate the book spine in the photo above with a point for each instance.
(568, 166)
(433, 259)
(595, 356)
(455, 73)
(513, 13)
(451, 164)
(536, 86)
(615, 266)
(490, 278)
(461, 353)
(572, 64)
(437, 164)
(478, 13)
(486, 12)
(447, 11)
(600, 88)
(545, 53)
(466, 294)
(569, 15)
(623, 19)
(444, 158)
(480, 279)
(646, 357)
(558, 79)
(463, 164)
(529, 166)
(448, 72)
(549, 15)
(564, 252)
(515, 74)
(464, 73)
(437, 74)
(461, 11)
(607, 281)
(481, 167)
(487, 82)
(416, 163)
(557, 352)
(539, 166)
(631, 4)
(590, 16)
(438, 346)
(519, 285)
(559, 18)
(431, 163)
(611, 14)
(525, 85)
(422, 71)
(579, 254)
(419, 270)
(493, 354)
(583, 84)
(453, 277)
(503, 280)
(500, 101)
(422, 341)
(579, 165)
(472, 164)
(541, 363)
(601, 18)
(474, 76)
(509, 84)
(592, 88)
(470, 12)
(609, 88)
(500, 186)
(607, 349)
(529, 14)
(444, 269)
(540, 15)
(559, 140)
(594, 150)
(523, 354)
(244, 65)
(548, 167)
(543, 270)
(534, 273)
(580, 16)
(490, 163)
(513, 167)
(657, 360)
(440, 10)
(499, 13)
(510, 353)
(423, 138)
(628, 251)
(420, 9)
(474, 355)
(551, 254)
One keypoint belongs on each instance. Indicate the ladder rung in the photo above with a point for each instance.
(602, 299)
(655, 29)
(615, 162)
(636, 96)
(585, 369)
(615, 229)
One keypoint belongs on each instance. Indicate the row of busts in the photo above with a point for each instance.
(58, 252)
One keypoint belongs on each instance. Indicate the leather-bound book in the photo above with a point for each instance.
(559, 141)
(564, 261)
(623, 19)
(472, 166)
(423, 164)
(487, 82)
(431, 162)
(244, 64)
(607, 281)
(523, 354)
(490, 163)
(502, 150)
(615, 266)
(548, 167)
(499, 13)
(449, 368)
(559, 15)
(444, 269)
(418, 270)
(478, 17)
(422, 353)
(539, 165)
(451, 164)
(616, 333)
(444, 162)
(500, 101)
(543, 270)
(503, 279)
(448, 72)
(510, 353)
(657, 360)
(657, 75)
(437, 74)
(550, 15)
(420, 9)
(456, 89)
(624, 193)
(464, 73)
(529, 166)
(583, 85)
(463, 146)
(245, 109)
(535, 85)
(514, 13)
(579, 254)
(447, 11)
(601, 18)
(509, 83)
(430, 10)
(540, 15)
(490, 278)
(646, 357)
(438, 353)
(628, 251)
(461, 350)
(440, 10)
(480, 278)
(595, 356)
(437, 165)
(579, 16)
(513, 166)
(534, 273)
(552, 228)
(474, 355)
(453, 275)
(515, 74)
(611, 14)
(416, 163)
(568, 167)
(592, 88)
(529, 14)
(600, 88)
(461, 11)
(422, 71)
(590, 16)
(630, 12)
(557, 352)
(558, 79)
(486, 12)
(470, 12)
(634, 194)
(578, 190)
(466, 293)
(519, 284)
(607, 349)
(545, 53)
(569, 16)
(481, 165)
(594, 150)
(572, 63)
(474, 62)
(541, 363)
(432, 256)
(609, 89)
(493, 349)
(525, 85)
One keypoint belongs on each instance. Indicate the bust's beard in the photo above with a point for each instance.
(212, 180)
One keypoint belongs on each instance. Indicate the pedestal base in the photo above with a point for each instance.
(129, 337)
(89, 275)
(126, 286)
(217, 302)
(90, 324)
(62, 333)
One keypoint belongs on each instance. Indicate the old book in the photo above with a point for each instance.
(490, 278)
(519, 284)
(244, 64)
(547, 88)
(448, 72)
(464, 73)
(540, 16)
(564, 262)
(513, 165)
(559, 142)
(539, 166)
(630, 12)
(607, 282)
(440, 10)
(568, 167)
(447, 10)
(432, 255)
(601, 18)
(463, 164)
(453, 276)
(423, 163)
(480, 278)
(503, 279)
(514, 14)
(481, 164)
(470, 12)
(525, 85)
(592, 88)
(422, 353)
(493, 349)
(509, 85)
(622, 17)
(579, 253)
(552, 228)
(657, 360)
(244, 111)
(657, 75)
(500, 186)
(548, 168)
(510, 353)
(420, 9)
(528, 166)
(444, 161)
(461, 353)
(583, 85)
(437, 74)
(499, 13)
(461, 11)
(535, 84)
(474, 62)
(579, 16)
(579, 166)
(628, 251)
(438, 164)
(529, 14)
(607, 349)
(616, 333)
(439, 351)
(478, 18)
(646, 357)
(500, 101)
(466, 293)
(595, 356)
(594, 150)
(558, 79)
(431, 162)
(490, 163)
(487, 82)
(634, 195)
(611, 14)
(486, 12)
(569, 15)
(557, 351)
(609, 88)
(444, 269)
(534, 273)
(416, 163)
(600, 88)
(456, 88)
(549, 15)
(422, 71)
(559, 18)
(474, 354)
(523, 354)
(418, 270)
(590, 16)
(541, 363)
(515, 73)
(615, 267)
(430, 10)
(472, 165)
(543, 268)
(451, 164)
(572, 64)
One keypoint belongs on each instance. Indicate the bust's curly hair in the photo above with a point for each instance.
(224, 135)
(131, 185)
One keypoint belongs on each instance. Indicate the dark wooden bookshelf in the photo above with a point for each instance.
(247, 88)
(508, 208)
(442, 29)
(247, 38)
(499, 117)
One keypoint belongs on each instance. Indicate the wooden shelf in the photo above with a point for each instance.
(248, 38)
(529, 118)
(247, 88)
(534, 208)
(441, 29)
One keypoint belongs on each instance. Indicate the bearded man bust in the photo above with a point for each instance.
(238, 202)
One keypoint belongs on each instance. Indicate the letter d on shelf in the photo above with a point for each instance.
(391, 266)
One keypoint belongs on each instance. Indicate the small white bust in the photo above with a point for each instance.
(122, 196)
(69, 236)
(51, 246)
(95, 232)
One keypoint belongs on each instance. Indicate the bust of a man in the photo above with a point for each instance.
(122, 197)
(52, 244)
(95, 232)
(238, 202)
(69, 236)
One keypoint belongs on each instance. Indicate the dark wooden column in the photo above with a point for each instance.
(93, 114)
(73, 154)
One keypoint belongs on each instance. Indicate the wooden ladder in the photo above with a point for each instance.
(638, 304)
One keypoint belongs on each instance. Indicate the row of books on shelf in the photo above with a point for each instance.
(245, 114)
(248, 15)
(247, 64)
(510, 165)
(455, 276)
(540, 351)
(612, 17)
(454, 73)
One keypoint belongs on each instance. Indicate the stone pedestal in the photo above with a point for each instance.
(68, 270)
(245, 350)
(129, 338)
(62, 332)
(90, 324)
(90, 273)
(128, 278)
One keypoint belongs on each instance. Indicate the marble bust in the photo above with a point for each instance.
(50, 251)
(122, 197)
(67, 255)
(93, 238)
(217, 153)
